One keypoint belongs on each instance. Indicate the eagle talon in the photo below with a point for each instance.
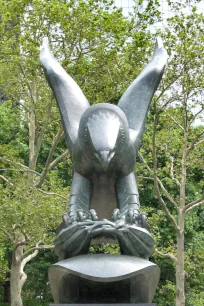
(143, 220)
(116, 215)
(83, 216)
(93, 215)
(132, 216)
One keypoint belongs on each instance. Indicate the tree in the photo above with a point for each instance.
(177, 136)
(28, 219)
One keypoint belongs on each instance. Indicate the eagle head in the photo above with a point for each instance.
(103, 133)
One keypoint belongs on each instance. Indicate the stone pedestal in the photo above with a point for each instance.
(104, 279)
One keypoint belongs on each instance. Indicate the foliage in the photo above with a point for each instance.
(105, 249)
(37, 272)
(173, 155)
(30, 210)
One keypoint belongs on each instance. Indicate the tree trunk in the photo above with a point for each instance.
(32, 132)
(16, 284)
(180, 272)
(32, 163)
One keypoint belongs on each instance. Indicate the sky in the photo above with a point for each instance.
(127, 6)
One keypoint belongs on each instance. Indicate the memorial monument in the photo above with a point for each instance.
(103, 141)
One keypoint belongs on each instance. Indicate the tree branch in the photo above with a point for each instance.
(193, 206)
(146, 164)
(6, 180)
(189, 205)
(167, 194)
(165, 208)
(19, 164)
(52, 193)
(49, 158)
(6, 233)
(58, 159)
(28, 258)
(145, 177)
(198, 143)
(195, 142)
(23, 278)
(16, 226)
(21, 243)
(32, 250)
(18, 170)
(172, 172)
(20, 103)
(167, 255)
(172, 118)
(182, 197)
(29, 87)
(166, 88)
(41, 135)
(194, 117)
(156, 183)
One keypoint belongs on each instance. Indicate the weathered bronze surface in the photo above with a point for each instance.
(104, 279)
(103, 140)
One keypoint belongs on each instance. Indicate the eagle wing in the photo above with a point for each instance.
(70, 98)
(136, 100)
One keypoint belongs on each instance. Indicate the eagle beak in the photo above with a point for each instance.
(105, 157)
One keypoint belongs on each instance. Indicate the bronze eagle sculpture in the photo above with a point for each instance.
(103, 141)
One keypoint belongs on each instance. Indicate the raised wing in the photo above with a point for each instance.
(136, 100)
(71, 100)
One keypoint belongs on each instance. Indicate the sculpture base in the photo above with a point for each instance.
(104, 279)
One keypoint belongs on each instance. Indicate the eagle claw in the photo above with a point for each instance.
(82, 215)
(131, 216)
(116, 215)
